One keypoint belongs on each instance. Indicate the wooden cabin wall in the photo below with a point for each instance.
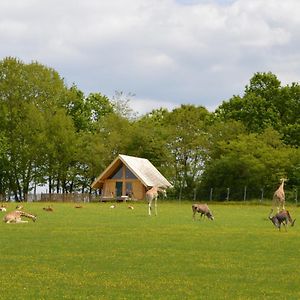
(109, 188)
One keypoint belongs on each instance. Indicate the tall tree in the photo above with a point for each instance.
(28, 93)
(187, 143)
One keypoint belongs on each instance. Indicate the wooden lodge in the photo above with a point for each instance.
(128, 177)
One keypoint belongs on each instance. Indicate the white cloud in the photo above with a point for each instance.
(172, 51)
(143, 106)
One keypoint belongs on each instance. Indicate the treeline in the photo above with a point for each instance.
(54, 135)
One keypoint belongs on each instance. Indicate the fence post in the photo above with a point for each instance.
(245, 193)
(262, 195)
(228, 193)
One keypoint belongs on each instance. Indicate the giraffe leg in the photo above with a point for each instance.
(149, 207)
(155, 203)
(21, 221)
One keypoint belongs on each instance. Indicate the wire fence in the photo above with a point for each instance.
(244, 194)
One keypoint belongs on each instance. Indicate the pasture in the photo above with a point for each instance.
(96, 252)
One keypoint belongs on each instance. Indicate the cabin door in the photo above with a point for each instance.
(119, 188)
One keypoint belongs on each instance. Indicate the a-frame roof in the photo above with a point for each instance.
(142, 168)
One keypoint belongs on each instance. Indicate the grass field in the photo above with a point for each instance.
(102, 253)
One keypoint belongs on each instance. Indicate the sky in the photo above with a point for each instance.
(163, 53)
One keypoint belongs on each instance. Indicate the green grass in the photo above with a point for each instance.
(102, 253)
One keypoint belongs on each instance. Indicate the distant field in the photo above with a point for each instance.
(102, 253)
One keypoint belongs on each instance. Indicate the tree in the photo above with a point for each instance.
(187, 144)
(265, 104)
(28, 94)
(253, 160)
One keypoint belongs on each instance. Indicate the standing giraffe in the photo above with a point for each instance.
(151, 195)
(279, 196)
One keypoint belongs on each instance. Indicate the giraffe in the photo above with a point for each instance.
(279, 196)
(151, 195)
(15, 217)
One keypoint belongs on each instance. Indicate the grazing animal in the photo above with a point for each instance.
(48, 208)
(15, 217)
(282, 217)
(151, 195)
(203, 210)
(2, 208)
(19, 207)
(279, 196)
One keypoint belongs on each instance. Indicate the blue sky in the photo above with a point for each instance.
(166, 52)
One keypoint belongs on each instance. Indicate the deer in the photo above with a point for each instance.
(15, 217)
(283, 217)
(203, 210)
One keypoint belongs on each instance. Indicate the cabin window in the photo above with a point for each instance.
(118, 173)
(129, 174)
(129, 191)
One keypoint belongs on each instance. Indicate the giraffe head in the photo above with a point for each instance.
(283, 180)
(163, 191)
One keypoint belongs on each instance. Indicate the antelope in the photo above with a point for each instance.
(282, 217)
(203, 210)
(151, 195)
(15, 217)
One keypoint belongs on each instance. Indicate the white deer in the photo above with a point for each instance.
(151, 195)
(15, 217)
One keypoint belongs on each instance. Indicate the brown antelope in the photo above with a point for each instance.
(203, 210)
(151, 195)
(15, 217)
(279, 196)
(282, 217)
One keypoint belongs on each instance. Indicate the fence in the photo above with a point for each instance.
(245, 193)
(76, 197)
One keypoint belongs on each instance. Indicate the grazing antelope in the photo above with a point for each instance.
(279, 196)
(282, 217)
(203, 210)
(15, 217)
(151, 195)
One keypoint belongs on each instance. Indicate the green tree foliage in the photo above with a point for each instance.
(266, 104)
(255, 161)
(187, 144)
(28, 93)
